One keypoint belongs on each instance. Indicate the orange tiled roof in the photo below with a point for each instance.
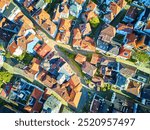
(127, 28)
(114, 8)
(148, 24)
(91, 6)
(79, 1)
(49, 26)
(85, 28)
(141, 42)
(43, 50)
(80, 58)
(89, 15)
(76, 43)
(42, 16)
(65, 24)
(131, 39)
(22, 42)
(74, 80)
(134, 87)
(107, 33)
(76, 33)
(3, 3)
(125, 53)
(109, 16)
(63, 37)
(95, 58)
(121, 3)
(12, 47)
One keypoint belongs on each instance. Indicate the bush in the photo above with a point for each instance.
(27, 58)
(94, 22)
(141, 57)
(5, 77)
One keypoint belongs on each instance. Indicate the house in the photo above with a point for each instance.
(121, 3)
(75, 9)
(40, 4)
(141, 77)
(145, 95)
(134, 87)
(143, 42)
(26, 24)
(131, 40)
(113, 50)
(14, 49)
(63, 37)
(87, 16)
(102, 47)
(108, 17)
(34, 68)
(46, 79)
(80, 58)
(28, 3)
(70, 91)
(62, 11)
(11, 11)
(5, 35)
(6, 90)
(35, 102)
(77, 33)
(61, 78)
(127, 71)
(66, 69)
(107, 33)
(76, 43)
(147, 27)
(8, 25)
(42, 50)
(28, 96)
(124, 53)
(97, 104)
(81, 2)
(124, 28)
(121, 81)
(91, 6)
(3, 5)
(95, 59)
(43, 18)
(131, 14)
(65, 25)
(115, 9)
(88, 44)
(85, 29)
(89, 69)
(50, 27)
(51, 105)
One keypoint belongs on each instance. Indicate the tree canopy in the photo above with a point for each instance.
(5, 77)
(141, 57)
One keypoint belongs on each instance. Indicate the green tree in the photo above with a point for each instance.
(5, 77)
(48, 1)
(141, 57)
(94, 22)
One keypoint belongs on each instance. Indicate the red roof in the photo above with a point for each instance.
(36, 93)
(43, 50)
(125, 53)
